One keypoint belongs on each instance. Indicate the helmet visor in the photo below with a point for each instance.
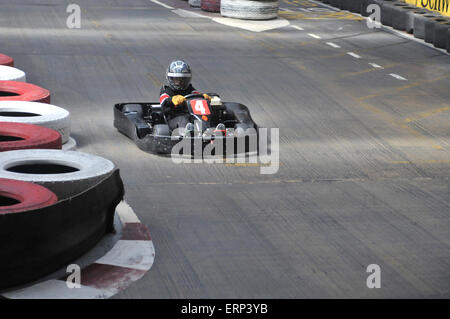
(179, 82)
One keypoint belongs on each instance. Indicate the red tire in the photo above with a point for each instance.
(18, 196)
(6, 60)
(211, 5)
(21, 91)
(20, 136)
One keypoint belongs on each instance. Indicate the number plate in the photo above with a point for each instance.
(200, 107)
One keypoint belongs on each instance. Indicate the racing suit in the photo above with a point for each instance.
(174, 114)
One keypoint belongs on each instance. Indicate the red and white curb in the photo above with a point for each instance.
(130, 258)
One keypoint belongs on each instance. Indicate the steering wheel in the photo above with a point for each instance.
(193, 95)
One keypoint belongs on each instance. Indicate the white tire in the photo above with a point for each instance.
(66, 173)
(249, 9)
(71, 145)
(195, 3)
(47, 115)
(8, 73)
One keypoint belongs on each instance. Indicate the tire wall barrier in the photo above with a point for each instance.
(42, 114)
(441, 6)
(18, 136)
(38, 242)
(210, 5)
(249, 9)
(18, 196)
(9, 73)
(66, 173)
(20, 91)
(6, 60)
(428, 20)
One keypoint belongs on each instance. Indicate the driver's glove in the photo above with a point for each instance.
(178, 99)
(207, 97)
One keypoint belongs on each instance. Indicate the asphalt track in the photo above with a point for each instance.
(364, 150)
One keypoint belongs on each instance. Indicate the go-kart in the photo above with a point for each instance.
(146, 124)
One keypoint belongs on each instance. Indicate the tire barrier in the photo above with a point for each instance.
(354, 6)
(8, 73)
(441, 32)
(6, 60)
(336, 3)
(66, 173)
(18, 136)
(38, 242)
(210, 5)
(17, 196)
(249, 9)
(419, 24)
(430, 28)
(404, 19)
(42, 114)
(20, 91)
(195, 3)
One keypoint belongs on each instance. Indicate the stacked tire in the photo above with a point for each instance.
(55, 204)
(6, 60)
(249, 9)
(427, 25)
(210, 5)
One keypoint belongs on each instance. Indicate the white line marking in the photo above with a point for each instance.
(398, 77)
(297, 27)
(253, 25)
(189, 14)
(162, 4)
(314, 35)
(333, 45)
(376, 66)
(126, 213)
(354, 55)
(135, 254)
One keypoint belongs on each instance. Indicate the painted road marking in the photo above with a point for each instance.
(314, 35)
(398, 77)
(255, 26)
(189, 14)
(354, 55)
(376, 66)
(134, 254)
(162, 4)
(426, 114)
(297, 27)
(334, 45)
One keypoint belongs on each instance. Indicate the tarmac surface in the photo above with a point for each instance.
(364, 137)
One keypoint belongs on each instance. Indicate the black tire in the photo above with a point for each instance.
(430, 26)
(440, 34)
(420, 20)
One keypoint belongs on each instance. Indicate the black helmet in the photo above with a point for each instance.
(179, 75)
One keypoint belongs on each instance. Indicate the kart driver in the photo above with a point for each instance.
(172, 95)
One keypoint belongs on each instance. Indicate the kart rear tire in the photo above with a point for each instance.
(21, 91)
(48, 115)
(249, 9)
(6, 60)
(66, 173)
(9, 73)
(28, 195)
(31, 137)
